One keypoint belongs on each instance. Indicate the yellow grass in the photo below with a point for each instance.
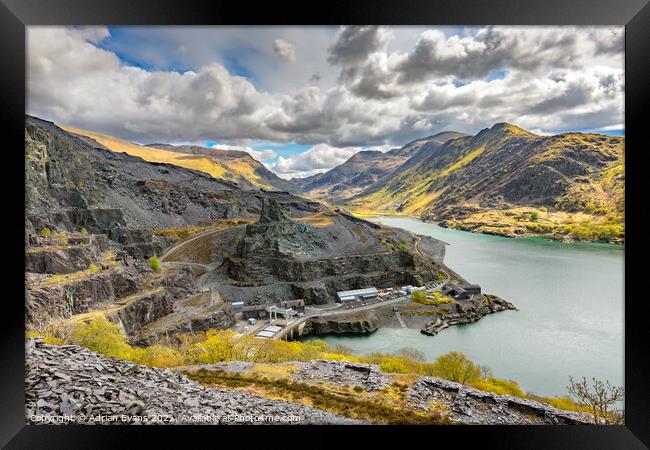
(218, 169)
(319, 219)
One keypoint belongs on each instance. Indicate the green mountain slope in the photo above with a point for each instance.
(506, 180)
(363, 169)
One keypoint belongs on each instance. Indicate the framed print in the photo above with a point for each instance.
(408, 217)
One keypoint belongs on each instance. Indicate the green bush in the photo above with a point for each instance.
(46, 232)
(84, 232)
(154, 263)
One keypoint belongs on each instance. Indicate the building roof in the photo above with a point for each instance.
(469, 285)
(354, 292)
(266, 334)
(272, 328)
(452, 287)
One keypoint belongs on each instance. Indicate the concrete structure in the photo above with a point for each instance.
(356, 295)
(238, 306)
(274, 310)
(255, 312)
(296, 305)
(453, 290)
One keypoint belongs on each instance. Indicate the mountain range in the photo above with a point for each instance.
(503, 180)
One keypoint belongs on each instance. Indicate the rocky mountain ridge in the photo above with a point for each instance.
(506, 180)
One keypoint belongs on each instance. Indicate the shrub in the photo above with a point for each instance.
(498, 386)
(457, 367)
(154, 263)
(534, 216)
(102, 336)
(93, 268)
(84, 232)
(46, 232)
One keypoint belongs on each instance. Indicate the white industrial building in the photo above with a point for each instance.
(356, 295)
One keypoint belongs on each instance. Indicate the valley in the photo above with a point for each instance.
(144, 259)
(504, 180)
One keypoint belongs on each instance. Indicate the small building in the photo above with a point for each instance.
(238, 306)
(472, 289)
(408, 289)
(296, 305)
(453, 290)
(356, 295)
(257, 312)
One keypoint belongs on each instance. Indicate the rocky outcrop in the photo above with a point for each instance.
(70, 384)
(343, 374)
(77, 296)
(472, 406)
(358, 322)
(142, 310)
(467, 311)
(276, 234)
(218, 317)
(53, 258)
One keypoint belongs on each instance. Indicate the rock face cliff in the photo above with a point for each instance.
(73, 183)
(360, 322)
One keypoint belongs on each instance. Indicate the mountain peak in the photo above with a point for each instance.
(509, 128)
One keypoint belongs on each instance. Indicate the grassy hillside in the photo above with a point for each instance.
(364, 169)
(508, 181)
(233, 166)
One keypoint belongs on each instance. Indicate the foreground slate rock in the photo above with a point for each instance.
(462, 404)
(71, 384)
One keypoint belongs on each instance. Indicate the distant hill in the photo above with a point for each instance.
(504, 180)
(363, 169)
(236, 166)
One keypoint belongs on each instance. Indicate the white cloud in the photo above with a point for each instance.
(317, 159)
(285, 50)
(381, 86)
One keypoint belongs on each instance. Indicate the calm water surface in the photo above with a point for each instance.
(570, 298)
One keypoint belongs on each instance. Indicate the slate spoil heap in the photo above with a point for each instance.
(70, 384)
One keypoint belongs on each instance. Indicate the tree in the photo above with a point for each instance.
(457, 367)
(412, 353)
(154, 263)
(84, 232)
(46, 232)
(534, 216)
(486, 372)
(600, 397)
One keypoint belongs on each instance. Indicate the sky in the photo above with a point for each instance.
(304, 99)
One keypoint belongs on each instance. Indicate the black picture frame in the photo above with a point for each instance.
(16, 14)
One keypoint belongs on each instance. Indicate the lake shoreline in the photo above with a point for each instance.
(570, 301)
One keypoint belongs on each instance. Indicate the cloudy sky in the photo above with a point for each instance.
(304, 99)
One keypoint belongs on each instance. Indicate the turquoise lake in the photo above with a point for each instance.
(571, 309)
